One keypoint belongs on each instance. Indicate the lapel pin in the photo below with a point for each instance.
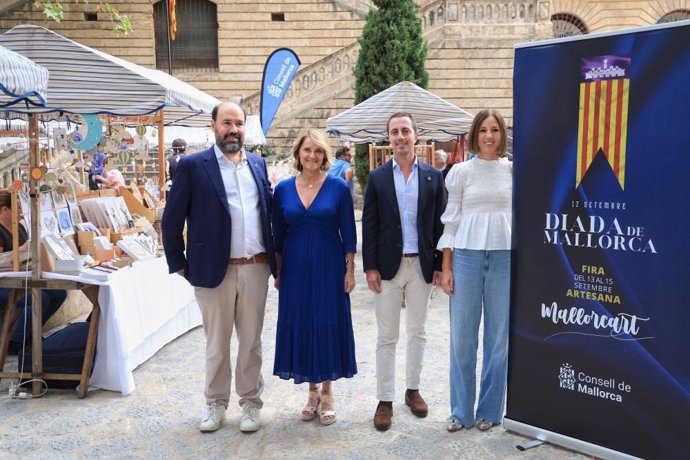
(428, 178)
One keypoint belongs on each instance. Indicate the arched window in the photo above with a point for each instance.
(567, 25)
(195, 49)
(675, 15)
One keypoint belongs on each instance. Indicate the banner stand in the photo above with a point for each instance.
(564, 441)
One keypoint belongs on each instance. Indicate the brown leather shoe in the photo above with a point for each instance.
(384, 413)
(416, 403)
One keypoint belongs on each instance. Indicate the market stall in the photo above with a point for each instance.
(87, 84)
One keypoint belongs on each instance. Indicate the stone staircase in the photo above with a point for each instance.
(450, 27)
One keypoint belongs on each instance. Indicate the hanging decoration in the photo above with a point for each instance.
(94, 132)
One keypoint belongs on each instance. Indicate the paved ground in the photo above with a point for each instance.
(159, 420)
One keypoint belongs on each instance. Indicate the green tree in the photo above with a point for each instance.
(54, 11)
(392, 50)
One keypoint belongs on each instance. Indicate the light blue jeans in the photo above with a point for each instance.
(481, 278)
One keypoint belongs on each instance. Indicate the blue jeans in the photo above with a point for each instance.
(51, 300)
(481, 279)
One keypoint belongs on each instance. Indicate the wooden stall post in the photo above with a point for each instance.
(161, 155)
(36, 311)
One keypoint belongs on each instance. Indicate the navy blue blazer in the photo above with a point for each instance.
(198, 197)
(382, 241)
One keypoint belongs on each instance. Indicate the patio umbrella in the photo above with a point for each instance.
(84, 80)
(21, 80)
(437, 119)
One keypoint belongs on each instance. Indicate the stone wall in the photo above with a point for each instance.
(470, 44)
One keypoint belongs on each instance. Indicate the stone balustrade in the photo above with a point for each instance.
(313, 78)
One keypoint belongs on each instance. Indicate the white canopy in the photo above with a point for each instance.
(84, 80)
(21, 79)
(437, 119)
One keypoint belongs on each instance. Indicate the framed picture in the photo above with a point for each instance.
(46, 199)
(75, 213)
(49, 223)
(58, 248)
(65, 221)
(59, 200)
(134, 249)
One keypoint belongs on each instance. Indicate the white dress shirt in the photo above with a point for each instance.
(242, 193)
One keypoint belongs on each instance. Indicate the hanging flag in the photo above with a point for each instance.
(173, 19)
(281, 67)
(603, 123)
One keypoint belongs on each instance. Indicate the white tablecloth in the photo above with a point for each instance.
(143, 308)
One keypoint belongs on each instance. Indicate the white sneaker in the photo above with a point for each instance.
(250, 420)
(214, 417)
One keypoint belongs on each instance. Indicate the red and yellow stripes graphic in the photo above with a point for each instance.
(603, 125)
(173, 19)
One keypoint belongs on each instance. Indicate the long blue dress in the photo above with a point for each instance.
(314, 338)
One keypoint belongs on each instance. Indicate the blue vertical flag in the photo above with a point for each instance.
(281, 67)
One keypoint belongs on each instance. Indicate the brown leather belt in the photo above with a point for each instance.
(412, 254)
(260, 258)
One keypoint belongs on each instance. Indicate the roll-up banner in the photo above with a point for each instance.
(279, 70)
(600, 327)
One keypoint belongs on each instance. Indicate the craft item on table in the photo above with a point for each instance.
(49, 223)
(124, 211)
(88, 227)
(97, 275)
(101, 242)
(75, 214)
(58, 248)
(65, 221)
(134, 249)
(59, 199)
(46, 201)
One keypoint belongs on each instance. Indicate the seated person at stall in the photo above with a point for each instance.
(51, 299)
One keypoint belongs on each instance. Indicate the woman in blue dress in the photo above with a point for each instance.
(315, 236)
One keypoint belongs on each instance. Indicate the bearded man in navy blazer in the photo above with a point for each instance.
(401, 225)
(224, 196)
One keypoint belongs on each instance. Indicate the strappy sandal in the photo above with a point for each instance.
(309, 411)
(327, 417)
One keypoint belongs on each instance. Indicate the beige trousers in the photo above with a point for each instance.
(409, 281)
(239, 301)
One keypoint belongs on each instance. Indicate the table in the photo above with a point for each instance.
(18, 285)
(142, 309)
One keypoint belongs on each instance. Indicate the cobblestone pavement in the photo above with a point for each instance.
(160, 419)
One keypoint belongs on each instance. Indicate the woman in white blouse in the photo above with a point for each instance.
(476, 273)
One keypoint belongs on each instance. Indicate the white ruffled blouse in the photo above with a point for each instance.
(479, 211)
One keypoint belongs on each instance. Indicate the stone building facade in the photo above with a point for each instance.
(222, 45)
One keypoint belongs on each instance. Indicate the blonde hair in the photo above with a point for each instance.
(320, 140)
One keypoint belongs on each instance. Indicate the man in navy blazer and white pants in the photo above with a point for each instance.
(401, 225)
(224, 196)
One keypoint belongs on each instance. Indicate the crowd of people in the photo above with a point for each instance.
(422, 226)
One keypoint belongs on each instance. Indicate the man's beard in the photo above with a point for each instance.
(229, 145)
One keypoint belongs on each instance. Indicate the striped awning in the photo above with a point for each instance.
(21, 80)
(84, 80)
(437, 119)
